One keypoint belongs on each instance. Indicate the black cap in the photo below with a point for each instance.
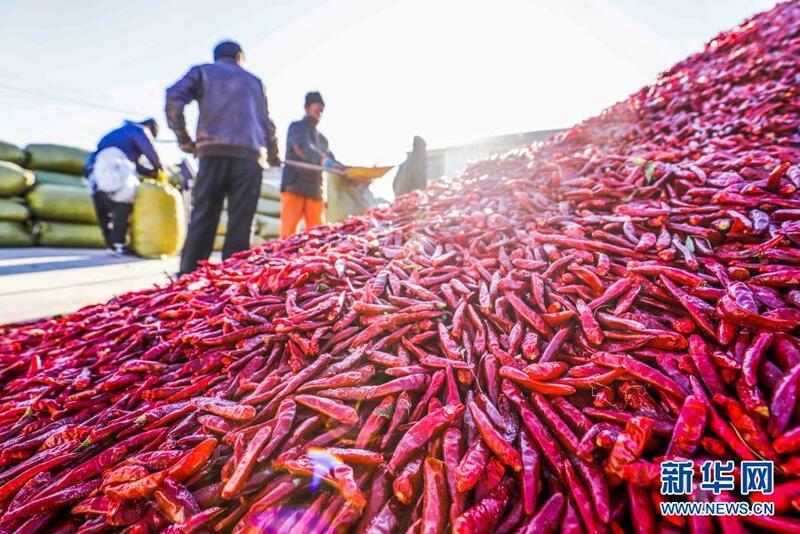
(151, 125)
(314, 98)
(227, 49)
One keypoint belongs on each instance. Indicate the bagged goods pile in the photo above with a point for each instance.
(62, 203)
(55, 178)
(66, 216)
(222, 229)
(15, 234)
(54, 193)
(268, 206)
(266, 226)
(14, 180)
(66, 234)
(56, 158)
(270, 186)
(267, 219)
(264, 229)
(266, 223)
(513, 350)
(12, 153)
(13, 209)
(255, 241)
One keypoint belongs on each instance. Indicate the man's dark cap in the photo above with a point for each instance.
(314, 98)
(227, 49)
(151, 125)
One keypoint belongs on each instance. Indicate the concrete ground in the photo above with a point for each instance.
(40, 282)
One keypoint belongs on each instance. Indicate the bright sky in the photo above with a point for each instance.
(449, 70)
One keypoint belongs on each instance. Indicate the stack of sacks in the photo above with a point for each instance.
(266, 222)
(269, 205)
(14, 216)
(56, 158)
(54, 192)
(65, 216)
(222, 229)
(57, 178)
(11, 153)
(256, 240)
(219, 240)
(61, 201)
(57, 164)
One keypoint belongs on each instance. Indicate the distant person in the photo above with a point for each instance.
(234, 131)
(413, 172)
(301, 189)
(112, 171)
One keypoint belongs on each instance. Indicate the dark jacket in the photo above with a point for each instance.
(135, 141)
(234, 117)
(314, 147)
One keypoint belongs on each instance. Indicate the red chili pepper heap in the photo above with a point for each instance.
(516, 349)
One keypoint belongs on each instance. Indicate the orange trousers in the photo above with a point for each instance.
(295, 207)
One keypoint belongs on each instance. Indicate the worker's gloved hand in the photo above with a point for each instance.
(330, 163)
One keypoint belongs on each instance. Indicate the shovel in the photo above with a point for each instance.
(356, 174)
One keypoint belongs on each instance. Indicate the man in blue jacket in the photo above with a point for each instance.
(234, 133)
(112, 171)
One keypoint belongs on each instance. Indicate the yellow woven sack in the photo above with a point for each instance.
(158, 222)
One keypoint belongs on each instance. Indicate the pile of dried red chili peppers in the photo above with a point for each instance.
(515, 350)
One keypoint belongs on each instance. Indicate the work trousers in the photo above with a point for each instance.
(113, 218)
(295, 207)
(238, 180)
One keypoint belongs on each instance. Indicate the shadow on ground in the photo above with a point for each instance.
(40, 259)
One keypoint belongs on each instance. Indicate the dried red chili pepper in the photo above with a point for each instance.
(688, 428)
(434, 495)
(484, 515)
(493, 439)
(422, 431)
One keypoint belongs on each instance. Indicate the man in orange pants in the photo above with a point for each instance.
(295, 207)
(301, 189)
